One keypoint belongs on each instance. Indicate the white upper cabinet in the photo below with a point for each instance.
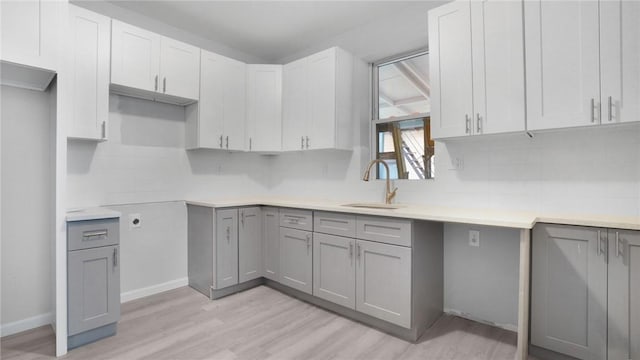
(477, 68)
(218, 120)
(30, 30)
(164, 69)
(317, 101)
(620, 61)
(89, 41)
(264, 108)
(563, 64)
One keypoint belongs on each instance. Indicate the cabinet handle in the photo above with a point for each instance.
(96, 233)
(307, 142)
(227, 141)
(301, 142)
(593, 110)
(478, 122)
(308, 242)
(351, 251)
(156, 84)
(358, 249)
(619, 246)
(242, 217)
(467, 123)
(164, 85)
(104, 129)
(220, 141)
(601, 249)
(115, 256)
(228, 234)
(610, 105)
(249, 144)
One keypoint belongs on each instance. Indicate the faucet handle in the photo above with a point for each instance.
(391, 195)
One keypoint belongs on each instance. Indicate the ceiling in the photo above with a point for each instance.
(266, 29)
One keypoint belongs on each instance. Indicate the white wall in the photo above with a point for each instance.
(26, 239)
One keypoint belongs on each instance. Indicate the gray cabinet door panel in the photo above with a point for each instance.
(250, 244)
(383, 281)
(94, 288)
(296, 259)
(624, 294)
(334, 270)
(271, 243)
(569, 290)
(226, 266)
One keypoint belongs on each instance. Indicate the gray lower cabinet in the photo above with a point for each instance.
(250, 244)
(271, 243)
(584, 291)
(624, 295)
(226, 248)
(93, 280)
(334, 269)
(383, 281)
(296, 259)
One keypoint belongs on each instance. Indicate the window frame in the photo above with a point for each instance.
(375, 105)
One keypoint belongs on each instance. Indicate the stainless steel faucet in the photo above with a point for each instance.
(390, 194)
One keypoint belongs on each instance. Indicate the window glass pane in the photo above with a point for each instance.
(402, 145)
(404, 87)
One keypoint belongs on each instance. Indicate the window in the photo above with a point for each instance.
(401, 108)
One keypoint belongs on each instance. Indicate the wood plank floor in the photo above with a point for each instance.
(260, 323)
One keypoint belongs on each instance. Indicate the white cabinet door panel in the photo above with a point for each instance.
(334, 270)
(179, 64)
(383, 281)
(211, 111)
(135, 57)
(296, 259)
(264, 107)
(295, 105)
(562, 57)
(451, 70)
(322, 100)
(234, 104)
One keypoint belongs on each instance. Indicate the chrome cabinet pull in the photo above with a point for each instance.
(249, 144)
(351, 251)
(115, 257)
(227, 141)
(467, 123)
(301, 142)
(228, 234)
(104, 129)
(242, 217)
(619, 246)
(308, 242)
(358, 248)
(156, 84)
(93, 234)
(593, 110)
(478, 122)
(220, 141)
(307, 142)
(611, 111)
(164, 85)
(601, 249)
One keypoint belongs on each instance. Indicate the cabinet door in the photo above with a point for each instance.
(250, 244)
(226, 266)
(135, 57)
(296, 266)
(562, 57)
(569, 290)
(383, 281)
(29, 33)
(322, 100)
(624, 294)
(451, 70)
(264, 107)
(93, 288)
(211, 106)
(234, 104)
(620, 61)
(498, 66)
(90, 43)
(334, 269)
(179, 64)
(271, 243)
(295, 105)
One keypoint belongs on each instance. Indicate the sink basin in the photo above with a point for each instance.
(374, 206)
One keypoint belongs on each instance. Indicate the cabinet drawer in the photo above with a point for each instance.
(385, 230)
(297, 219)
(93, 233)
(334, 223)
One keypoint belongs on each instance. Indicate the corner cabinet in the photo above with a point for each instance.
(317, 101)
(477, 68)
(264, 108)
(151, 66)
(583, 291)
(577, 56)
(218, 120)
(89, 55)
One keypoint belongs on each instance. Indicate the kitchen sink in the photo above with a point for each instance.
(375, 206)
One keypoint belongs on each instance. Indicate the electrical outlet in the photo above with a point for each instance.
(135, 221)
(474, 238)
(457, 163)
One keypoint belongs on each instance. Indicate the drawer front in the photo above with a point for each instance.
(93, 233)
(334, 223)
(384, 230)
(297, 219)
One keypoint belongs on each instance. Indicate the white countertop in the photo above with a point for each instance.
(511, 219)
(91, 214)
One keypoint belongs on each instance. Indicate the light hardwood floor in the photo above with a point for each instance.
(260, 323)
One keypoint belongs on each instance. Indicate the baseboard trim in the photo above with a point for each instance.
(467, 316)
(26, 324)
(152, 290)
